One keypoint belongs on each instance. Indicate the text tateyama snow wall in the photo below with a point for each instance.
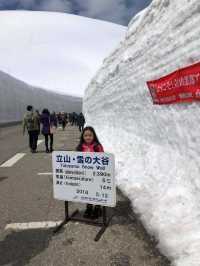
(15, 95)
(157, 148)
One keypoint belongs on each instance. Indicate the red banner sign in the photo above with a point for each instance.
(182, 85)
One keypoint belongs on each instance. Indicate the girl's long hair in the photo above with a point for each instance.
(96, 140)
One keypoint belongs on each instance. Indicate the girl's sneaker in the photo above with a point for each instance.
(88, 212)
(97, 212)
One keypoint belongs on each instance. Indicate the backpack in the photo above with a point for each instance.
(30, 122)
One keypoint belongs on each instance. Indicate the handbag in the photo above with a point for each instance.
(53, 129)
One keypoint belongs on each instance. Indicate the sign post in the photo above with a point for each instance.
(85, 178)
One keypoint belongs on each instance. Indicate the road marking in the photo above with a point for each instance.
(40, 141)
(45, 173)
(13, 160)
(31, 225)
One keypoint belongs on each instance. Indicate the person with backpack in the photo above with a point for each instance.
(31, 123)
(49, 123)
(89, 143)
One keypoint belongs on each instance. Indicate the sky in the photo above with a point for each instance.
(116, 11)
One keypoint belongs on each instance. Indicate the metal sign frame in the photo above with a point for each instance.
(75, 218)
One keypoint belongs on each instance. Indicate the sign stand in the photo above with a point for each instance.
(104, 224)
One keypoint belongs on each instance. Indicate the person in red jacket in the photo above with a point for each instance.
(89, 143)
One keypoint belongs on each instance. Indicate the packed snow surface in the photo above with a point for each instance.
(15, 95)
(56, 51)
(157, 148)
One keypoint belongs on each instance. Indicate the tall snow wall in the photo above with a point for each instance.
(157, 148)
(15, 95)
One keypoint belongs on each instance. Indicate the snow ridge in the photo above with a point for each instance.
(157, 147)
(15, 95)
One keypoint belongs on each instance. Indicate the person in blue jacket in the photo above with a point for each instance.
(48, 122)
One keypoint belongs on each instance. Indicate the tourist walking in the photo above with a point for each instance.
(49, 124)
(31, 123)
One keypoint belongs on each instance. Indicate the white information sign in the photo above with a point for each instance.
(86, 177)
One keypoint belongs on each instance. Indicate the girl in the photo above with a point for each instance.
(90, 143)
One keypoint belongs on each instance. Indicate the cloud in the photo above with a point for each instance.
(114, 10)
(56, 5)
(117, 11)
(14, 4)
(45, 5)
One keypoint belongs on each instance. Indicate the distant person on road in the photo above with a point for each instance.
(89, 143)
(49, 123)
(64, 121)
(54, 118)
(31, 123)
(38, 113)
(53, 122)
(81, 122)
(66, 118)
(74, 119)
(71, 118)
(59, 119)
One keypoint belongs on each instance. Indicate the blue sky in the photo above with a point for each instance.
(117, 11)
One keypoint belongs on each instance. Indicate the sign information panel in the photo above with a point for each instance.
(84, 177)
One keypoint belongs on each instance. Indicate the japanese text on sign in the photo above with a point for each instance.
(182, 85)
(84, 177)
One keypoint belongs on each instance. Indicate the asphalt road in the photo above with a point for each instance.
(11, 142)
(27, 197)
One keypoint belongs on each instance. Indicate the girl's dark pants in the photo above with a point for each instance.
(33, 138)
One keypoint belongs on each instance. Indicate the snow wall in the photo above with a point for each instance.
(157, 148)
(15, 95)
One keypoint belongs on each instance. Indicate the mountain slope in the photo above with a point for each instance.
(15, 95)
(156, 147)
(56, 51)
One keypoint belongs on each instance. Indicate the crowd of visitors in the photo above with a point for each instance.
(46, 123)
